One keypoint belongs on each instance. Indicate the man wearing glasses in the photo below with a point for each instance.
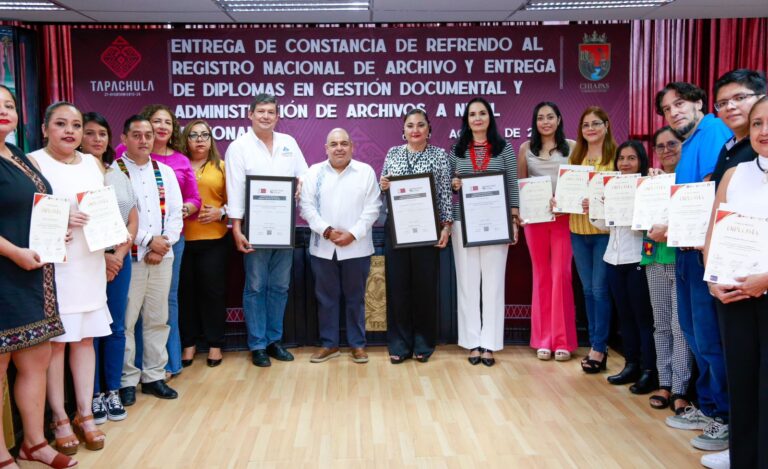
(735, 94)
(682, 106)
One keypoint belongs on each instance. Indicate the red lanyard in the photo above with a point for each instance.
(486, 158)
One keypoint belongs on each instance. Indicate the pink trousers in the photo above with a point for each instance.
(553, 315)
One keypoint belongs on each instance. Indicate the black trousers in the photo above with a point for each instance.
(744, 328)
(629, 288)
(412, 281)
(203, 290)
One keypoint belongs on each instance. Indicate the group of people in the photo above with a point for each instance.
(175, 195)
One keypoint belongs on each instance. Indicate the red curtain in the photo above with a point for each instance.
(698, 51)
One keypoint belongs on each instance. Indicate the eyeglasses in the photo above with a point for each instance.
(735, 100)
(204, 136)
(592, 125)
(669, 146)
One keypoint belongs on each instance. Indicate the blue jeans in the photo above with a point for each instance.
(588, 251)
(174, 339)
(110, 350)
(698, 321)
(267, 278)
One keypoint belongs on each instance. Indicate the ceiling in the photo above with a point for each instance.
(382, 11)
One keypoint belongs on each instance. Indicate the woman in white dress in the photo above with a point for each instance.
(80, 281)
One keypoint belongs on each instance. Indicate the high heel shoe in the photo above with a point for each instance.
(591, 366)
(60, 461)
(90, 437)
(487, 361)
(475, 360)
(66, 444)
(629, 374)
(7, 462)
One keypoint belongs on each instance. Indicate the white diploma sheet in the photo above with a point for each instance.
(48, 227)
(619, 193)
(572, 185)
(535, 195)
(690, 206)
(652, 201)
(595, 193)
(105, 227)
(738, 247)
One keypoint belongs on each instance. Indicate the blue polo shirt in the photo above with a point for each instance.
(700, 150)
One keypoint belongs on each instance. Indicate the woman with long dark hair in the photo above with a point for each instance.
(553, 316)
(479, 149)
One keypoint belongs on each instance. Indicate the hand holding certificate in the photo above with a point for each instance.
(619, 193)
(572, 186)
(737, 248)
(105, 227)
(652, 201)
(690, 207)
(48, 227)
(485, 210)
(412, 208)
(535, 194)
(595, 193)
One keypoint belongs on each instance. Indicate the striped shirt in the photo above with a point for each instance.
(580, 223)
(505, 161)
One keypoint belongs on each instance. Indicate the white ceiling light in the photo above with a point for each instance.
(34, 5)
(293, 5)
(534, 5)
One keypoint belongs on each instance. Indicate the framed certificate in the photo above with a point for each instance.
(270, 212)
(48, 227)
(412, 210)
(737, 247)
(652, 201)
(105, 227)
(572, 187)
(619, 193)
(485, 210)
(535, 195)
(690, 206)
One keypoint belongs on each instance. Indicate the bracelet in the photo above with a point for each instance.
(327, 232)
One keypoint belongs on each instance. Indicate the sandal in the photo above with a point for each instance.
(60, 461)
(397, 359)
(660, 401)
(562, 355)
(678, 397)
(543, 354)
(7, 462)
(90, 437)
(590, 366)
(422, 357)
(66, 444)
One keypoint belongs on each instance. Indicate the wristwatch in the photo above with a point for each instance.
(327, 232)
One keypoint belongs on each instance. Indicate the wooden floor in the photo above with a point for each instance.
(520, 413)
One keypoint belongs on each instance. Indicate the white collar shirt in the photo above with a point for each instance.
(249, 156)
(349, 200)
(148, 204)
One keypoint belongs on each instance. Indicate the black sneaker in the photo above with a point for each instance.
(99, 409)
(115, 409)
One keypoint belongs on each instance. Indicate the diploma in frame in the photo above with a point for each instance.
(485, 217)
(270, 212)
(412, 211)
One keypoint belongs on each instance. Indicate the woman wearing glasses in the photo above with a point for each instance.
(673, 357)
(596, 147)
(203, 285)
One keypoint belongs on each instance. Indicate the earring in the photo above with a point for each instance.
(429, 136)
(404, 139)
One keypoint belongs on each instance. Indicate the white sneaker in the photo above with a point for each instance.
(721, 460)
(714, 438)
(691, 419)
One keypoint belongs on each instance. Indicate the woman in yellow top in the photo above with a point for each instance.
(596, 147)
(203, 281)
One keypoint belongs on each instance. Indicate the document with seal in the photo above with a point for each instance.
(535, 195)
(595, 193)
(652, 201)
(105, 227)
(484, 208)
(572, 185)
(414, 220)
(690, 206)
(48, 227)
(619, 194)
(270, 211)
(739, 247)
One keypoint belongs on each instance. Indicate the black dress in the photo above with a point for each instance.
(29, 313)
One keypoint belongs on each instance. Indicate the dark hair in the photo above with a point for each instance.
(132, 119)
(686, 91)
(642, 155)
(465, 137)
(13, 96)
(262, 98)
(666, 128)
(52, 108)
(150, 110)
(762, 100)
(418, 110)
(561, 144)
(609, 144)
(751, 79)
(213, 153)
(109, 154)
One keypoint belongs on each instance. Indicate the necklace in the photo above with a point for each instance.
(765, 171)
(71, 160)
(486, 156)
